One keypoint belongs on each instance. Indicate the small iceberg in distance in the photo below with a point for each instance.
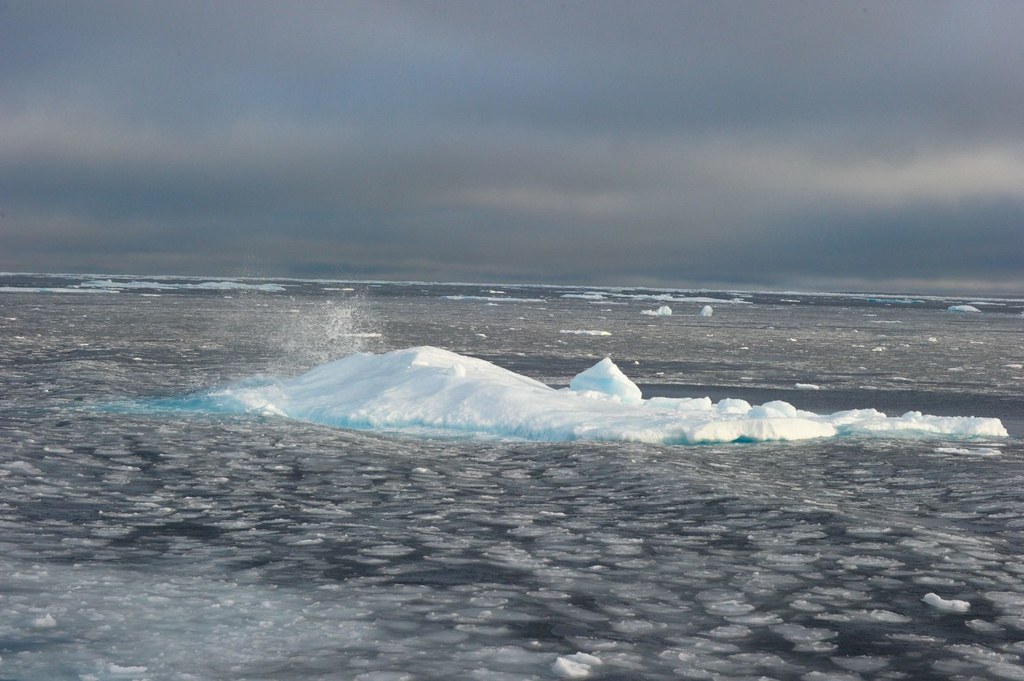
(427, 389)
(962, 308)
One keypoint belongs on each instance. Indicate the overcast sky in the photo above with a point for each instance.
(819, 144)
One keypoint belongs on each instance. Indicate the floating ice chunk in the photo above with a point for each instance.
(584, 296)
(962, 308)
(23, 467)
(45, 622)
(575, 666)
(494, 299)
(707, 311)
(607, 379)
(126, 670)
(797, 633)
(433, 390)
(978, 451)
(985, 627)
(730, 631)
(881, 616)
(944, 605)
(663, 311)
(863, 664)
(1007, 601)
(807, 386)
(585, 332)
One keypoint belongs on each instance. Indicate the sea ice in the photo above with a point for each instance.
(575, 666)
(662, 311)
(220, 285)
(426, 389)
(962, 308)
(707, 311)
(122, 670)
(940, 603)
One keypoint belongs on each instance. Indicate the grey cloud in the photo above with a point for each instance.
(577, 141)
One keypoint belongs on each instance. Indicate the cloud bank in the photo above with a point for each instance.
(782, 144)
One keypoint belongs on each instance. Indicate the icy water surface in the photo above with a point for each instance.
(192, 546)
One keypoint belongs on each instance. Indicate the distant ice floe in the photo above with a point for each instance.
(962, 308)
(49, 289)
(662, 311)
(806, 386)
(894, 301)
(494, 299)
(609, 295)
(427, 390)
(585, 332)
(167, 286)
(707, 311)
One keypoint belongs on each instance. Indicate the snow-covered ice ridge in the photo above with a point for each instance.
(427, 389)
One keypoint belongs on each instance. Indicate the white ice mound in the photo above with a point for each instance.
(962, 308)
(575, 666)
(707, 311)
(429, 389)
(606, 379)
(662, 311)
(940, 603)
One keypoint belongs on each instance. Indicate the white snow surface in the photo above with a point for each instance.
(429, 389)
(606, 379)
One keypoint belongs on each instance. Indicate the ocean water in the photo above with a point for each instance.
(148, 544)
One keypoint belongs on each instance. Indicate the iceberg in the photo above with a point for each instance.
(662, 311)
(707, 311)
(962, 308)
(427, 390)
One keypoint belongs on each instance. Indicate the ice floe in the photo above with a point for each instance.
(946, 605)
(218, 285)
(585, 332)
(430, 390)
(575, 666)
